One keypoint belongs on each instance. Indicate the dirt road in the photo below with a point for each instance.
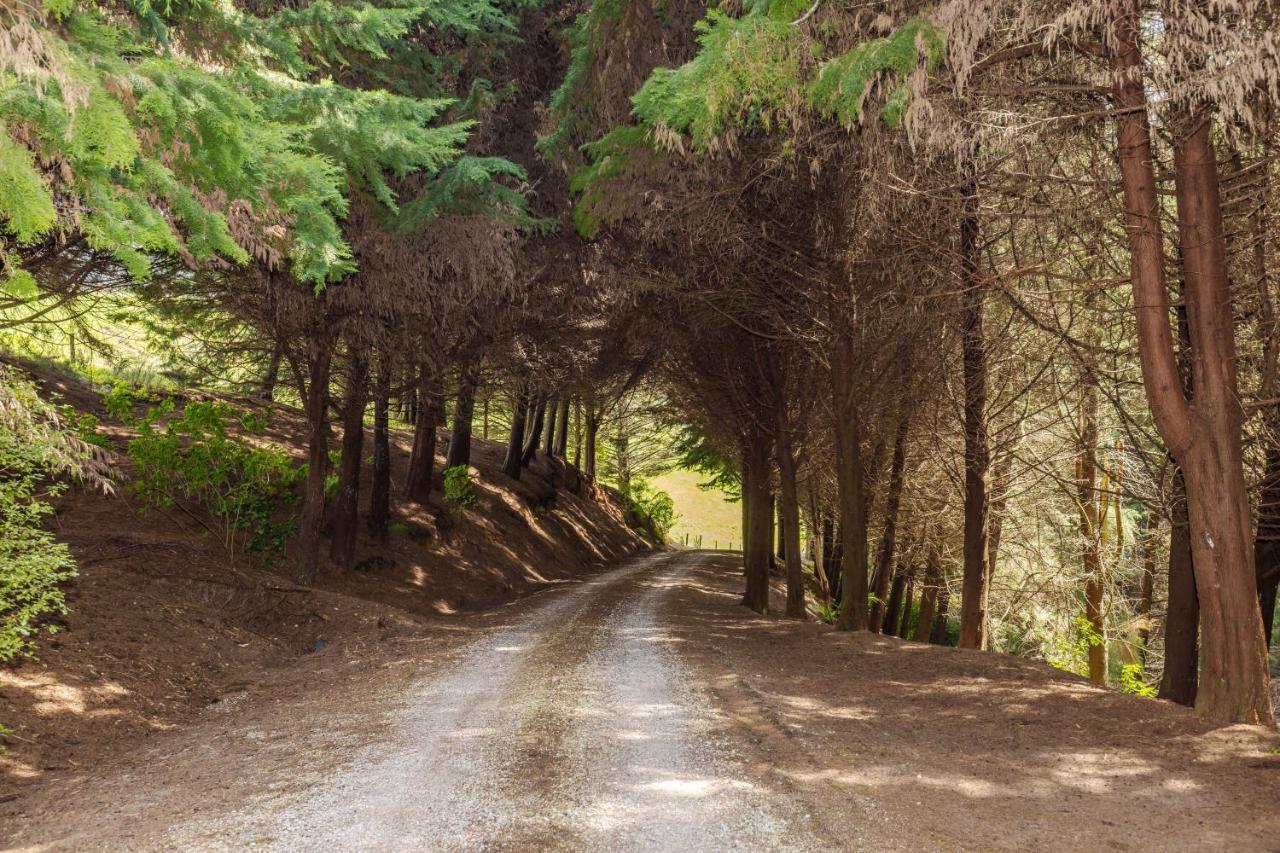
(573, 727)
(644, 709)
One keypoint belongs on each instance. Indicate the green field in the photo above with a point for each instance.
(704, 513)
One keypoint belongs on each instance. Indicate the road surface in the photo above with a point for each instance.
(574, 728)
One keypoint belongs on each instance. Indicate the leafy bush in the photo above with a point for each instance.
(191, 456)
(34, 443)
(828, 611)
(459, 490)
(1131, 681)
(653, 506)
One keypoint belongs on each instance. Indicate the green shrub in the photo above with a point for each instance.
(35, 443)
(828, 611)
(191, 456)
(653, 507)
(1131, 681)
(459, 489)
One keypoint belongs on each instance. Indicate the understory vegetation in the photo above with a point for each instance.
(969, 308)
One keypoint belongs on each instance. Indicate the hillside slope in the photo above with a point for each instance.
(164, 623)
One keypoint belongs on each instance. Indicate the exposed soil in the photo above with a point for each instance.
(943, 748)
(165, 624)
(645, 709)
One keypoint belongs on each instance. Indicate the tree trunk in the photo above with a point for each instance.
(1234, 683)
(1267, 542)
(344, 518)
(1092, 516)
(589, 441)
(1182, 614)
(562, 430)
(834, 558)
(1147, 589)
(380, 487)
(1204, 438)
(267, 388)
(1001, 482)
(850, 480)
(549, 434)
(311, 517)
(938, 636)
(422, 459)
(759, 511)
(929, 595)
(512, 464)
(820, 546)
(539, 410)
(463, 414)
(577, 435)
(893, 610)
(975, 589)
(908, 600)
(789, 516)
(888, 538)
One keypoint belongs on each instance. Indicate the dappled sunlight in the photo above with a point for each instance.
(49, 696)
(690, 787)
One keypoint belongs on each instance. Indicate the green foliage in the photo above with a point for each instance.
(191, 455)
(154, 144)
(653, 507)
(828, 611)
(843, 82)
(607, 157)
(34, 443)
(1071, 653)
(748, 72)
(571, 103)
(754, 72)
(459, 489)
(697, 453)
(1131, 681)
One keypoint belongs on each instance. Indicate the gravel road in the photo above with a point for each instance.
(575, 728)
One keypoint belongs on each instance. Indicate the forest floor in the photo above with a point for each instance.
(166, 627)
(644, 708)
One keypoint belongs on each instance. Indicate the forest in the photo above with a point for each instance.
(966, 305)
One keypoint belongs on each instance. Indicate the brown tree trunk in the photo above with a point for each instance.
(592, 432)
(908, 601)
(1147, 589)
(893, 610)
(1090, 508)
(1203, 436)
(311, 517)
(834, 557)
(929, 595)
(1182, 613)
(539, 412)
(562, 430)
(975, 589)
(463, 414)
(850, 480)
(549, 433)
(267, 388)
(789, 515)
(380, 487)
(938, 636)
(888, 538)
(344, 517)
(423, 458)
(1234, 683)
(1267, 542)
(512, 464)
(759, 509)
(819, 547)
